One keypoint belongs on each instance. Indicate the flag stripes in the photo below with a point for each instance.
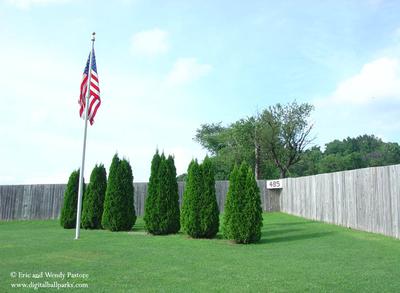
(94, 92)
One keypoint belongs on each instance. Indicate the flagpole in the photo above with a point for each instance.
(80, 190)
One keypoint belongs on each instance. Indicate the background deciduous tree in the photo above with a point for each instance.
(287, 133)
(277, 143)
(270, 142)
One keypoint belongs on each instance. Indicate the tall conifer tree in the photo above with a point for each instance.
(200, 213)
(210, 211)
(173, 195)
(192, 197)
(94, 198)
(150, 211)
(162, 203)
(119, 211)
(243, 214)
(253, 220)
(68, 212)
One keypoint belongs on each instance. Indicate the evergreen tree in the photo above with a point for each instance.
(165, 195)
(151, 219)
(200, 214)
(129, 192)
(162, 204)
(231, 202)
(119, 212)
(94, 198)
(210, 210)
(243, 214)
(173, 201)
(109, 210)
(162, 197)
(192, 201)
(68, 212)
(252, 212)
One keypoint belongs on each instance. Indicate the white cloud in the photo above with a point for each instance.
(186, 70)
(26, 4)
(377, 80)
(366, 103)
(150, 43)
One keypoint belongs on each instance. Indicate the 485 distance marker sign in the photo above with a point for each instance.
(274, 184)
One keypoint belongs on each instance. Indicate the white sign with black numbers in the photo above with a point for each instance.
(274, 184)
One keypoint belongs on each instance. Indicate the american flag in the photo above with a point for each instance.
(94, 97)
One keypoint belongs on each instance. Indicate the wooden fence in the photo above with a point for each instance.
(26, 202)
(364, 199)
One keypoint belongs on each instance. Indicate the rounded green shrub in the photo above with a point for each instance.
(94, 198)
(68, 212)
(119, 210)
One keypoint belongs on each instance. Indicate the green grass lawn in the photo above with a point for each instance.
(294, 255)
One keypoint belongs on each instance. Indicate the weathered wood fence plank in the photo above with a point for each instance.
(365, 199)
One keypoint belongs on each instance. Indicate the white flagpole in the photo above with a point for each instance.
(80, 190)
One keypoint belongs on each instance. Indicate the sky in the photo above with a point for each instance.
(166, 67)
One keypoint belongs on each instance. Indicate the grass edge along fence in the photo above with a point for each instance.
(365, 199)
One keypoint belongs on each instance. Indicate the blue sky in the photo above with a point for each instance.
(165, 67)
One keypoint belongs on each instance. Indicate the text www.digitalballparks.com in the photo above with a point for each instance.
(47, 284)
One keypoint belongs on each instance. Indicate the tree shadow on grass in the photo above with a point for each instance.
(298, 237)
(267, 232)
(289, 223)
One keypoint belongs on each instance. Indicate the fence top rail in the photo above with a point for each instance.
(347, 171)
(34, 184)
